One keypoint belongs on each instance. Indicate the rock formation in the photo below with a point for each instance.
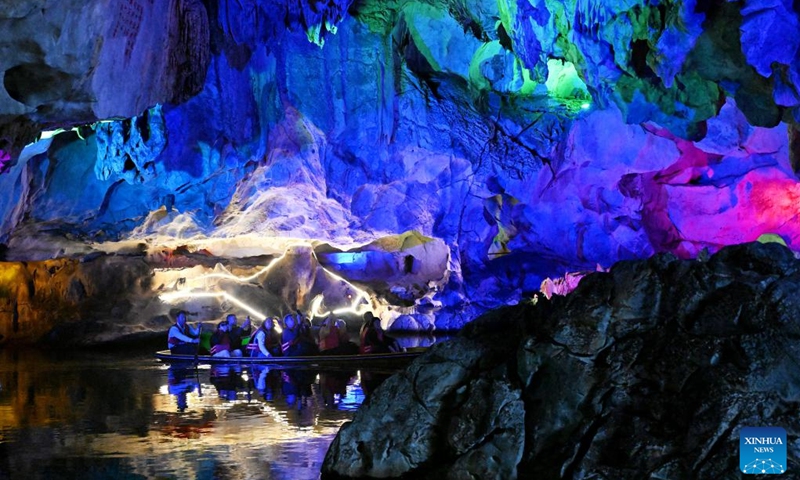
(69, 65)
(70, 302)
(648, 370)
(531, 138)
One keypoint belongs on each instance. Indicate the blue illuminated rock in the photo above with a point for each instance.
(68, 65)
(529, 138)
(128, 149)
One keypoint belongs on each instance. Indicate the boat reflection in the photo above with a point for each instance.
(180, 382)
(297, 392)
(98, 415)
(227, 380)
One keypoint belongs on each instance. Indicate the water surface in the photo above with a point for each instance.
(94, 415)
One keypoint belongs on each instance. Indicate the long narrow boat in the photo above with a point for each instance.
(361, 360)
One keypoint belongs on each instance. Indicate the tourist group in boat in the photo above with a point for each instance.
(290, 337)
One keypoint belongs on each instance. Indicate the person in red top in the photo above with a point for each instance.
(221, 341)
(374, 339)
(333, 338)
(366, 330)
(328, 334)
(182, 338)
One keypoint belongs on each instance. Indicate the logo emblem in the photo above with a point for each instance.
(762, 450)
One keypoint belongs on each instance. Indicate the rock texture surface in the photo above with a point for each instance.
(532, 138)
(67, 65)
(65, 302)
(647, 371)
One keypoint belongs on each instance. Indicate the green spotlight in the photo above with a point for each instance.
(564, 85)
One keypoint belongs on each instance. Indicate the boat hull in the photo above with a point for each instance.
(361, 360)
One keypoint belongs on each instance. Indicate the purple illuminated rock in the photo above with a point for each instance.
(436, 118)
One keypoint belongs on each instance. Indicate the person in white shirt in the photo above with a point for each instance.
(183, 339)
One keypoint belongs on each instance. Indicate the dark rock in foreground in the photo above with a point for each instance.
(648, 371)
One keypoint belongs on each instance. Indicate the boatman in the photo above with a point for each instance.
(183, 339)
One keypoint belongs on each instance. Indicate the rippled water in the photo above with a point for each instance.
(125, 415)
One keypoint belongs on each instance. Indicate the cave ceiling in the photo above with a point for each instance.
(526, 135)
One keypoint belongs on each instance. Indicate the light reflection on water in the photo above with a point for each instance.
(123, 416)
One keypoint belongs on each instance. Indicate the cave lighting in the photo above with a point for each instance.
(229, 276)
(5, 158)
(169, 297)
(563, 81)
(356, 305)
(49, 134)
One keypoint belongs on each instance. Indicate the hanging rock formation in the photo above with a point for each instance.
(66, 65)
(531, 138)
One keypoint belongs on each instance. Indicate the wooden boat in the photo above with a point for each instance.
(354, 361)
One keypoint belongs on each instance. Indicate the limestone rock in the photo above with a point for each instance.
(422, 399)
(129, 148)
(67, 65)
(404, 268)
(653, 356)
(62, 301)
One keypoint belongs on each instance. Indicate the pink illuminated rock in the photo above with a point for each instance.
(408, 117)
(5, 160)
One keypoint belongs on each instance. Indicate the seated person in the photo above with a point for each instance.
(183, 339)
(236, 332)
(375, 340)
(328, 334)
(305, 329)
(333, 338)
(266, 341)
(221, 342)
(346, 347)
(296, 337)
(366, 329)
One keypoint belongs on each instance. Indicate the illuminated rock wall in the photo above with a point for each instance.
(531, 138)
(71, 302)
(67, 64)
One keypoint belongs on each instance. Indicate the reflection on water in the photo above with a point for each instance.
(124, 416)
